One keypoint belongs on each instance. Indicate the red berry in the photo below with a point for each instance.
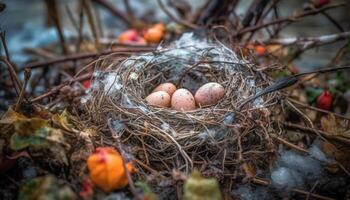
(86, 84)
(87, 189)
(325, 100)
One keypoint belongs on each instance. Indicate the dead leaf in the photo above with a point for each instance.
(334, 126)
(248, 169)
(29, 126)
(11, 116)
(47, 187)
(62, 120)
(44, 138)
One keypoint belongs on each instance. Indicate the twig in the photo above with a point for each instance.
(308, 42)
(263, 15)
(312, 189)
(4, 44)
(53, 13)
(216, 9)
(311, 194)
(88, 9)
(126, 51)
(40, 52)
(255, 9)
(54, 90)
(317, 131)
(179, 21)
(80, 27)
(129, 11)
(149, 168)
(283, 141)
(71, 18)
(330, 18)
(264, 182)
(121, 151)
(107, 5)
(199, 11)
(288, 19)
(318, 109)
(14, 78)
(27, 74)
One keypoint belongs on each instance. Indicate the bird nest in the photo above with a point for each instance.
(217, 139)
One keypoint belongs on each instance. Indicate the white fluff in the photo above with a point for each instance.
(293, 169)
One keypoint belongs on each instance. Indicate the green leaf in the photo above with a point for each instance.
(36, 140)
(48, 188)
(312, 93)
(198, 188)
(45, 138)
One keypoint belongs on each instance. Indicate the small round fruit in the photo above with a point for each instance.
(209, 94)
(153, 35)
(183, 100)
(131, 37)
(159, 26)
(166, 87)
(159, 99)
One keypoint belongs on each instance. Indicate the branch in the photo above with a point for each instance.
(179, 21)
(255, 9)
(14, 77)
(56, 89)
(318, 132)
(289, 19)
(308, 42)
(109, 6)
(126, 51)
(53, 13)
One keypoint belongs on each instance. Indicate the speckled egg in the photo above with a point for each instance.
(209, 94)
(166, 87)
(159, 99)
(183, 100)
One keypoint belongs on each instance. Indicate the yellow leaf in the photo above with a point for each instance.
(11, 116)
(62, 120)
(198, 188)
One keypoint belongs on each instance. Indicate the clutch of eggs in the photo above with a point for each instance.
(167, 95)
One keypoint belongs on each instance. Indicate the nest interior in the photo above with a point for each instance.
(217, 140)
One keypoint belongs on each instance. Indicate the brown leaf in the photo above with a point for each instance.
(11, 116)
(29, 126)
(248, 170)
(335, 126)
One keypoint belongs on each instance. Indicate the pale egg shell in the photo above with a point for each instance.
(209, 94)
(183, 100)
(159, 99)
(166, 87)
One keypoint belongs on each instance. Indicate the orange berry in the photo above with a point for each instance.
(259, 50)
(153, 35)
(106, 169)
(159, 26)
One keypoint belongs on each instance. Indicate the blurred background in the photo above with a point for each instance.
(27, 24)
